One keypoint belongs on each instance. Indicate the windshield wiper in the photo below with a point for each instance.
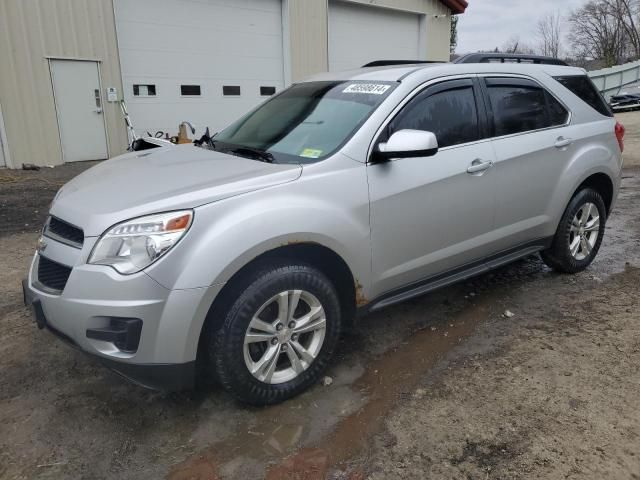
(253, 153)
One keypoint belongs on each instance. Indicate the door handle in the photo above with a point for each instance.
(563, 142)
(478, 166)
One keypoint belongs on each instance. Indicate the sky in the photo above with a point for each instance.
(488, 24)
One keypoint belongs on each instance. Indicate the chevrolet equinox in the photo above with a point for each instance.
(243, 258)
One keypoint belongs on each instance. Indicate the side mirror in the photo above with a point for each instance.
(408, 144)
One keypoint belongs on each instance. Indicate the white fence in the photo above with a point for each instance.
(610, 80)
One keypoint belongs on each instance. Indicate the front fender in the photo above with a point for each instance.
(330, 209)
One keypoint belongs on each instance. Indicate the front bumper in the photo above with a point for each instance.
(96, 298)
(168, 377)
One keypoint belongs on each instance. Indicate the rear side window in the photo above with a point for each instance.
(558, 115)
(451, 114)
(522, 106)
(583, 87)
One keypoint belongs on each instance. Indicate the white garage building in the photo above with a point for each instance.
(67, 63)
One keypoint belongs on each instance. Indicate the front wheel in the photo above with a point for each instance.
(278, 336)
(579, 235)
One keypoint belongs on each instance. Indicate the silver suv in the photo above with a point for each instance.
(244, 258)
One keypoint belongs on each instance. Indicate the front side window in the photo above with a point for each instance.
(450, 113)
(521, 106)
(306, 122)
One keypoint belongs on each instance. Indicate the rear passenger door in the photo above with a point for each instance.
(532, 143)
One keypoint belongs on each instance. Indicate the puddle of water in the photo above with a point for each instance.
(277, 431)
(389, 377)
(266, 434)
(393, 374)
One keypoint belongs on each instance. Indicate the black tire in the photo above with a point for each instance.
(559, 256)
(226, 344)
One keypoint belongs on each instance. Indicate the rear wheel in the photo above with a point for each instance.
(278, 336)
(579, 235)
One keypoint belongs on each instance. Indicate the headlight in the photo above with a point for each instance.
(135, 244)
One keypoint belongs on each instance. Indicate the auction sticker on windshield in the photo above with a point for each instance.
(367, 88)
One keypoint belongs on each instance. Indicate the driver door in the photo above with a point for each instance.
(430, 215)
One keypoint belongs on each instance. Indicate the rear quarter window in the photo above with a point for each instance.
(583, 87)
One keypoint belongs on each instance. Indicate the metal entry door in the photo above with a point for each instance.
(76, 89)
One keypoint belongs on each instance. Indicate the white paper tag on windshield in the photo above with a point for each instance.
(367, 88)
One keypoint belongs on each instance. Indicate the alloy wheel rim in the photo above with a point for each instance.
(284, 336)
(584, 231)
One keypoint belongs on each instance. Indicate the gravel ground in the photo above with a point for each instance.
(25, 195)
(444, 386)
(555, 396)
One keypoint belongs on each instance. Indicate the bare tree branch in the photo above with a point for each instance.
(514, 45)
(598, 33)
(628, 12)
(549, 34)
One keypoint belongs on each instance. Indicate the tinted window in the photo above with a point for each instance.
(520, 105)
(451, 114)
(558, 115)
(583, 87)
(517, 109)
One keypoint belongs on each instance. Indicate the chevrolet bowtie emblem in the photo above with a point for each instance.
(42, 245)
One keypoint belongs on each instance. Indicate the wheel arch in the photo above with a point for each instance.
(601, 183)
(314, 254)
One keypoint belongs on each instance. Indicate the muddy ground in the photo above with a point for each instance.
(444, 386)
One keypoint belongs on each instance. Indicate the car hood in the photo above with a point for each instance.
(162, 179)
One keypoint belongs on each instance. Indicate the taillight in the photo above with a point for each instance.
(620, 130)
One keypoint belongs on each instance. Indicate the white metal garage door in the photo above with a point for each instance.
(205, 61)
(360, 34)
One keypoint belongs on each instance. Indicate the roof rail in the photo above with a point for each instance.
(386, 63)
(508, 58)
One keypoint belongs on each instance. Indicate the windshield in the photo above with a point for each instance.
(306, 122)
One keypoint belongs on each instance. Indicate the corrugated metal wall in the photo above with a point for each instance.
(30, 32)
(308, 40)
(611, 80)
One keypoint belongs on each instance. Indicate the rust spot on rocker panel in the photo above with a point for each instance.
(361, 300)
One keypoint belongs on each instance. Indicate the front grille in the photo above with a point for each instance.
(52, 274)
(61, 230)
